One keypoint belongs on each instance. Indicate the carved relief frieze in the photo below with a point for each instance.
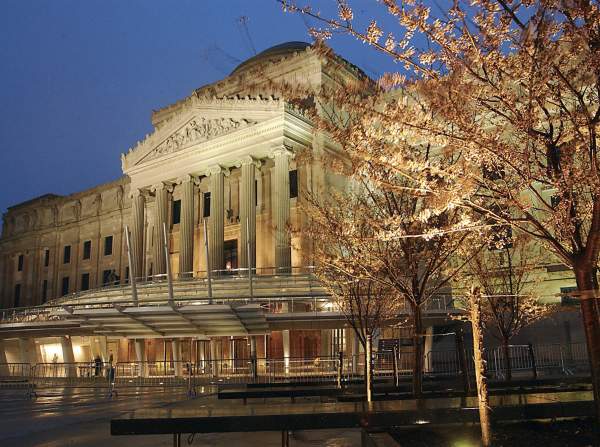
(197, 130)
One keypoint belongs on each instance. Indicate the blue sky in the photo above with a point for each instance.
(79, 78)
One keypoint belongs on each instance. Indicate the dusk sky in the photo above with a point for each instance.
(79, 78)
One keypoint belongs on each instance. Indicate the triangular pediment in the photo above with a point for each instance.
(196, 130)
(198, 124)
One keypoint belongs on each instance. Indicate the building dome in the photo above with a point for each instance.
(271, 54)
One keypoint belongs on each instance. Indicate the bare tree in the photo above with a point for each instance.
(513, 89)
(348, 268)
(507, 276)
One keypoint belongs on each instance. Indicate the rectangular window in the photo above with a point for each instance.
(87, 249)
(206, 204)
(108, 245)
(20, 263)
(176, 212)
(106, 277)
(45, 291)
(85, 281)
(17, 295)
(65, 286)
(126, 275)
(46, 258)
(67, 254)
(293, 184)
(255, 192)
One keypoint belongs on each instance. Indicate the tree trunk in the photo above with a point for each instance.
(418, 353)
(480, 377)
(587, 285)
(507, 362)
(369, 369)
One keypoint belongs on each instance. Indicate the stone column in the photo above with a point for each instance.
(214, 360)
(176, 348)
(161, 192)
(137, 234)
(248, 212)
(68, 356)
(140, 356)
(281, 209)
(186, 228)
(216, 222)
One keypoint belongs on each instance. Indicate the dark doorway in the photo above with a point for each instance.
(230, 256)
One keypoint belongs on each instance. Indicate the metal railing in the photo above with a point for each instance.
(15, 371)
(65, 374)
(266, 286)
(527, 360)
(539, 359)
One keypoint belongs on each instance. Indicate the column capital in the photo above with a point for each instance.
(216, 169)
(282, 151)
(135, 193)
(162, 186)
(248, 160)
(188, 178)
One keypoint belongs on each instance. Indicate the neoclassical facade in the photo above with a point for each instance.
(219, 178)
(215, 187)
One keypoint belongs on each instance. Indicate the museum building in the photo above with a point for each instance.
(214, 188)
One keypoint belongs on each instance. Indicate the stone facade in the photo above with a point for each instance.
(234, 140)
(35, 234)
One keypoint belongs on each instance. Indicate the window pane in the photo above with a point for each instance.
(108, 245)
(206, 205)
(293, 184)
(20, 262)
(176, 212)
(87, 249)
(85, 281)
(65, 286)
(67, 255)
(46, 258)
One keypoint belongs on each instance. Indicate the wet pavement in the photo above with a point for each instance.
(81, 417)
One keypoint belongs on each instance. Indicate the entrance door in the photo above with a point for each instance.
(230, 256)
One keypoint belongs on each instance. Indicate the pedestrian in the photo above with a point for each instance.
(97, 365)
